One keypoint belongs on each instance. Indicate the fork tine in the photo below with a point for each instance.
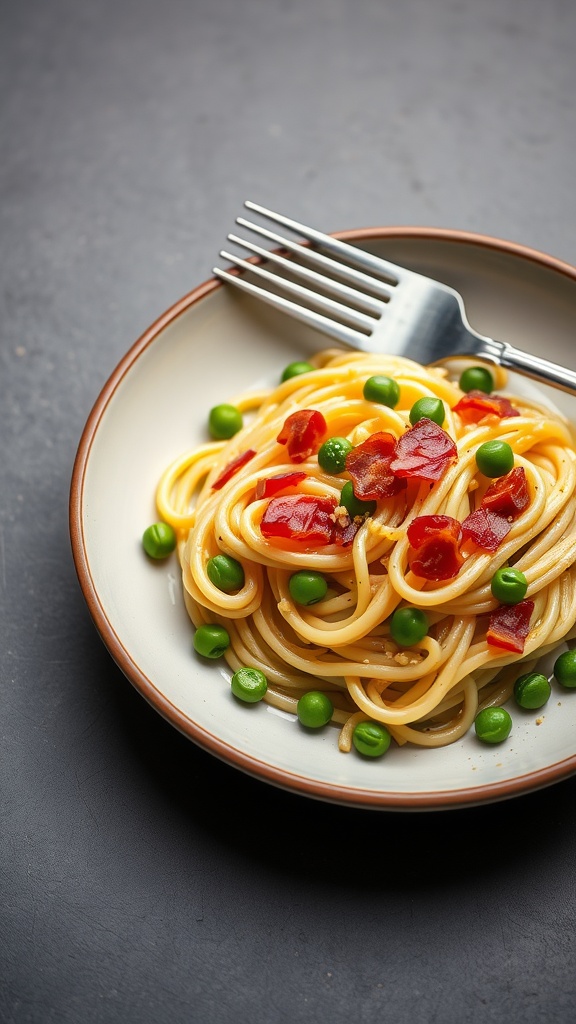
(340, 332)
(335, 245)
(323, 302)
(422, 318)
(338, 269)
(335, 288)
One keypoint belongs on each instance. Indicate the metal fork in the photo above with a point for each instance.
(368, 303)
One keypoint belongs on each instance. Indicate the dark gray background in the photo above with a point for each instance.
(142, 880)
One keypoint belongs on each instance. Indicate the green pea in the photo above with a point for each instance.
(224, 421)
(249, 685)
(428, 408)
(314, 709)
(495, 458)
(532, 690)
(159, 540)
(353, 505)
(211, 640)
(408, 626)
(493, 725)
(307, 587)
(332, 454)
(295, 369)
(371, 739)
(477, 378)
(565, 669)
(225, 573)
(509, 585)
(383, 390)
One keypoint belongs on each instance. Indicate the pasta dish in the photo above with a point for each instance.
(402, 546)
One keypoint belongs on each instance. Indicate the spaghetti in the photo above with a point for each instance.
(434, 532)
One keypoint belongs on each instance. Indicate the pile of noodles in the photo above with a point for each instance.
(427, 694)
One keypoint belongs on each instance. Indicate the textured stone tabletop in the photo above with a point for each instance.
(144, 881)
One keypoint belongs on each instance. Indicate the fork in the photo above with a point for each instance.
(367, 303)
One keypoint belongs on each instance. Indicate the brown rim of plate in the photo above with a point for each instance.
(291, 781)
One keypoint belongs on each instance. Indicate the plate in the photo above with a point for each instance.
(208, 347)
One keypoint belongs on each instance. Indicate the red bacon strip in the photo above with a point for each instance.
(232, 468)
(435, 543)
(486, 528)
(267, 487)
(305, 518)
(509, 626)
(345, 529)
(474, 406)
(369, 466)
(308, 520)
(503, 502)
(303, 432)
(508, 495)
(424, 452)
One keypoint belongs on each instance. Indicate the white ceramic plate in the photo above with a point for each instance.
(210, 346)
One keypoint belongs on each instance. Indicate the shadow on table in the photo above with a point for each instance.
(299, 835)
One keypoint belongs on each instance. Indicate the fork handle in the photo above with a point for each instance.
(541, 370)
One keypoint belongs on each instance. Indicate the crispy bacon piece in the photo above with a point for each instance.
(369, 466)
(423, 528)
(438, 559)
(267, 487)
(303, 432)
(305, 518)
(474, 406)
(232, 468)
(424, 452)
(508, 495)
(504, 500)
(435, 544)
(509, 626)
(308, 520)
(345, 529)
(486, 528)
